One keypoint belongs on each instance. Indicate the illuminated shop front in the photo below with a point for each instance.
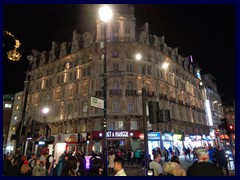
(167, 140)
(154, 141)
(123, 140)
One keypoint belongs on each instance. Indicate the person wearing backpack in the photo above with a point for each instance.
(48, 164)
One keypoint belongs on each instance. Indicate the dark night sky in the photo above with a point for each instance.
(207, 32)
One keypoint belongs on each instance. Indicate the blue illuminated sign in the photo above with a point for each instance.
(154, 136)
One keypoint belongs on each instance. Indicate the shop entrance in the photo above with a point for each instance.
(117, 144)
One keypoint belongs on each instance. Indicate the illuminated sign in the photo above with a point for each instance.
(167, 137)
(177, 136)
(41, 143)
(111, 134)
(154, 136)
(117, 134)
(7, 105)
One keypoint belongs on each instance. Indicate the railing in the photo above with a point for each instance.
(115, 92)
(130, 92)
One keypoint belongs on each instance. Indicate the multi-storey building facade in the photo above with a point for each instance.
(8, 100)
(15, 120)
(213, 104)
(66, 77)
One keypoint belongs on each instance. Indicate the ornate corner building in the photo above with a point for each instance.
(67, 76)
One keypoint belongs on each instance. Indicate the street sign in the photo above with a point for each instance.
(98, 103)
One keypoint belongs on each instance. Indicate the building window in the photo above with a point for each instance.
(143, 69)
(149, 70)
(115, 28)
(119, 125)
(115, 68)
(97, 126)
(129, 54)
(115, 84)
(19, 97)
(129, 85)
(115, 107)
(85, 107)
(115, 54)
(130, 107)
(115, 38)
(127, 29)
(133, 125)
(129, 68)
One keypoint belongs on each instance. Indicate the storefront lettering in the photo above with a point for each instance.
(111, 134)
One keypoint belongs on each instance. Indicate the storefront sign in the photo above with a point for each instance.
(177, 137)
(154, 136)
(116, 134)
(167, 137)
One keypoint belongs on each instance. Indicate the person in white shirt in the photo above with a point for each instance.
(118, 167)
(155, 165)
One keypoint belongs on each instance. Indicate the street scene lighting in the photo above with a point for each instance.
(105, 14)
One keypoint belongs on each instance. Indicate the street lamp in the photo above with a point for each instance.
(45, 111)
(105, 13)
(144, 102)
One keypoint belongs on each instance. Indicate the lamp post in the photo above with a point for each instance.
(144, 102)
(45, 111)
(105, 14)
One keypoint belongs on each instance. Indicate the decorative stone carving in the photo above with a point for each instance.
(156, 43)
(42, 58)
(87, 39)
(75, 42)
(52, 54)
(63, 49)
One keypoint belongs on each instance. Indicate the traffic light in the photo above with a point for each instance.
(223, 124)
(153, 108)
(231, 128)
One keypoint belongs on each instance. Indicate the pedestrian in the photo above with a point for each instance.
(155, 165)
(38, 170)
(165, 153)
(48, 163)
(118, 167)
(221, 159)
(181, 171)
(96, 168)
(25, 169)
(203, 166)
(172, 169)
(111, 158)
(70, 168)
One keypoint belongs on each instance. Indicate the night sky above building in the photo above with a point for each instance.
(207, 32)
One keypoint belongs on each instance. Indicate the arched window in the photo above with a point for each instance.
(129, 85)
(115, 84)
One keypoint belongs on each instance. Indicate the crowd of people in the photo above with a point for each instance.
(207, 162)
